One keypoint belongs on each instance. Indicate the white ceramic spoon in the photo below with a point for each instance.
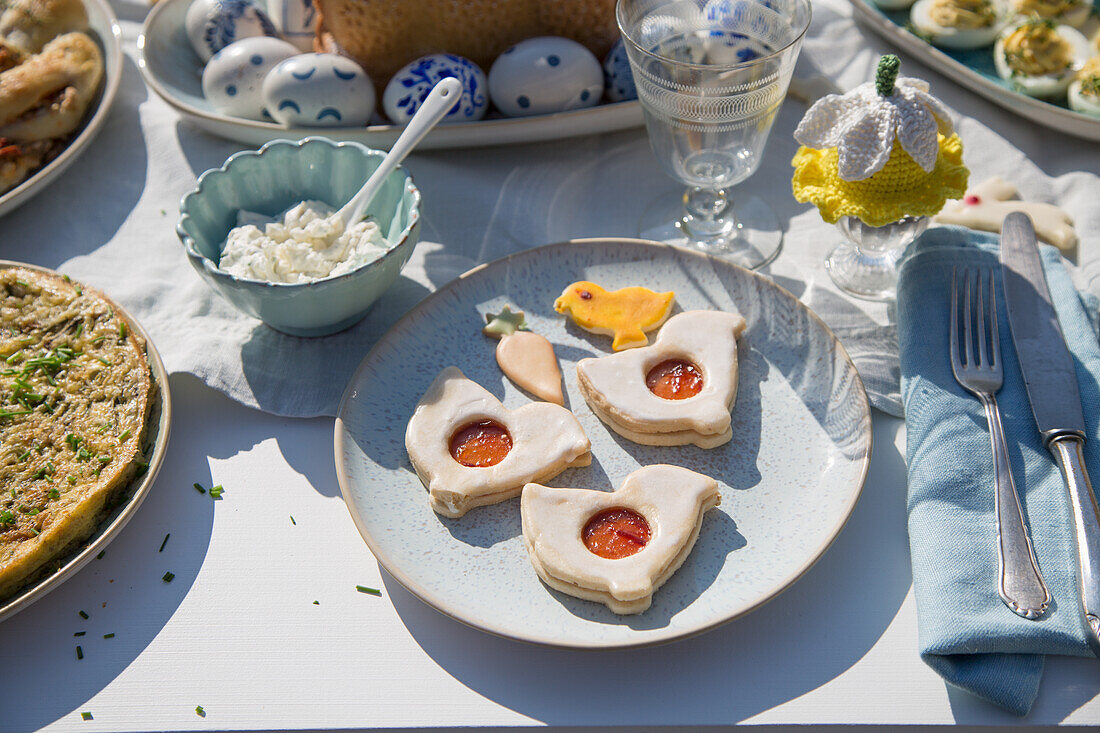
(434, 108)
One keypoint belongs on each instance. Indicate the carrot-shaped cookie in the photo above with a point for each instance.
(626, 314)
(526, 357)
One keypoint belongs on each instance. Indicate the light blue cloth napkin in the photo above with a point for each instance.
(966, 633)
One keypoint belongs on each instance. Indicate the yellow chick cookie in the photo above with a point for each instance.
(627, 313)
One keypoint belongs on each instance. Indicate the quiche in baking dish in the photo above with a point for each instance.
(75, 397)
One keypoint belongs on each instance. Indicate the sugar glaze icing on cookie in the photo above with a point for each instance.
(458, 422)
(670, 499)
(626, 314)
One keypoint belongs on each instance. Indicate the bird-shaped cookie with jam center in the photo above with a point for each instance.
(677, 391)
(617, 547)
(469, 450)
(626, 314)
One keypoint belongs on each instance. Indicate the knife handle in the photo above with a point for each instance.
(1086, 525)
(1021, 585)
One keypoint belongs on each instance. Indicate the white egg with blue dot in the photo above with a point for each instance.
(545, 75)
(617, 77)
(233, 79)
(409, 87)
(212, 25)
(319, 90)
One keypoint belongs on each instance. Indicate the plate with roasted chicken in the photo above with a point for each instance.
(60, 69)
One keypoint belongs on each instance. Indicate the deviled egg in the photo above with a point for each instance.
(960, 23)
(1069, 12)
(1084, 91)
(1040, 57)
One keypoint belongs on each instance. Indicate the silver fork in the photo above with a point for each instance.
(976, 364)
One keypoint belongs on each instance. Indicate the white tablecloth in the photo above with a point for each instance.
(237, 631)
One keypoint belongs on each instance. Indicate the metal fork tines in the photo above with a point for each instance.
(976, 363)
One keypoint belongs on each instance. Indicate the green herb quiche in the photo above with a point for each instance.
(75, 395)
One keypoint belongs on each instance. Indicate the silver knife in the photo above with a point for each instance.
(1051, 383)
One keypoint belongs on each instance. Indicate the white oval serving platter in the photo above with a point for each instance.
(173, 70)
(974, 71)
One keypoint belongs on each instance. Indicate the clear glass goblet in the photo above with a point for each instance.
(866, 266)
(711, 76)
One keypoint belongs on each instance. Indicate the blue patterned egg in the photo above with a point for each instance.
(617, 78)
(319, 90)
(740, 22)
(409, 88)
(544, 75)
(233, 80)
(214, 24)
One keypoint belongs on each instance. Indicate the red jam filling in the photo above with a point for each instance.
(481, 444)
(616, 533)
(674, 379)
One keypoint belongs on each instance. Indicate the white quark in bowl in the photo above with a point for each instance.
(307, 242)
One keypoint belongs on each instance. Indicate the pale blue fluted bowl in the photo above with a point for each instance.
(274, 178)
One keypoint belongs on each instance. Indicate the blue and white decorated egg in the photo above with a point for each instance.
(409, 88)
(319, 90)
(544, 75)
(738, 23)
(233, 79)
(617, 78)
(214, 24)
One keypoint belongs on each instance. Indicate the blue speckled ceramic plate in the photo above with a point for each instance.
(974, 70)
(789, 478)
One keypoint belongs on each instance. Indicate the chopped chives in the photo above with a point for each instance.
(103, 361)
(24, 284)
(162, 544)
(101, 554)
(199, 711)
(80, 633)
(125, 435)
(83, 615)
(216, 491)
(86, 715)
(122, 330)
(199, 488)
(109, 636)
(368, 591)
(98, 340)
(316, 603)
(167, 577)
(79, 653)
(292, 520)
(79, 330)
